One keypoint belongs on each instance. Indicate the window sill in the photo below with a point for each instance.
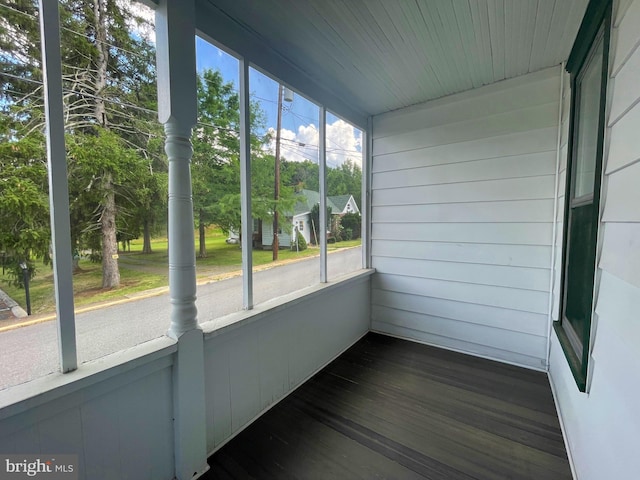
(577, 369)
(236, 320)
(19, 398)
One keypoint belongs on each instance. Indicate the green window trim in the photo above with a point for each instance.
(589, 58)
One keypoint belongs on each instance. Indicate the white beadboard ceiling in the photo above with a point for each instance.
(381, 55)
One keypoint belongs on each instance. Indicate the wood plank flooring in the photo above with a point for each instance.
(388, 408)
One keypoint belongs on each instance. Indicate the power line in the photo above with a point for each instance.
(111, 101)
(7, 7)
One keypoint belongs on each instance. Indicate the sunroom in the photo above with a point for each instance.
(500, 258)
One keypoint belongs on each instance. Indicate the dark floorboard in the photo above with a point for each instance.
(388, 408)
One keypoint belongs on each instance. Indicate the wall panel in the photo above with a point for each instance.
(120, 426)
(462, 219)
(253, 363)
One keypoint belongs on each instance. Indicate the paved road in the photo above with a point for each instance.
(30, 352)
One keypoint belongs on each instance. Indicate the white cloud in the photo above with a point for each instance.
(343, 143)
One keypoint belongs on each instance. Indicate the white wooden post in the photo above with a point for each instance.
(322, 159)
(58, 186)
(245, 188)
(177, 110)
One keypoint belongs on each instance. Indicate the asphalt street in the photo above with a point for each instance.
(31, 352)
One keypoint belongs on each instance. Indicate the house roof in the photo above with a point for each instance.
(308, 198)
(340, 202)
(366, 57)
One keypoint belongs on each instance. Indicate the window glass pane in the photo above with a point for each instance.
(215, 178)
(117, 181)
(588, 112)
(26, 352)
(295, 263)
(580, 268)
(344, 197)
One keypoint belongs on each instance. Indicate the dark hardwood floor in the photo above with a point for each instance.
(389, 408)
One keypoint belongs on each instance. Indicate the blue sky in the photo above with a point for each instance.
(299, 118)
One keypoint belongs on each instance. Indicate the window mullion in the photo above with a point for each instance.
(58, 184)
(245, 187)
(322, 160)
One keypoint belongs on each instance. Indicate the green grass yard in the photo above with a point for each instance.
(140, 272)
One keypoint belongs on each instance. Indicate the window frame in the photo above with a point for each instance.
(595, 27)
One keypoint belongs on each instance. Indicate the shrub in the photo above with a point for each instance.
(352, 221)
(336, 228)
(302, 243)
(347, 234)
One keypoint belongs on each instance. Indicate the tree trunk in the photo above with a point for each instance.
(110, 271)
(202, 239)
(146, 242)
(100, 12)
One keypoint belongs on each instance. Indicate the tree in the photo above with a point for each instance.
(300, 175)
(345, 180)
(216, 163)
(109, 86)
(353, 222)
(315, 223)
(216, 147)
(24, 203)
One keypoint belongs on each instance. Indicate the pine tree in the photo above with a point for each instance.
(109, 95)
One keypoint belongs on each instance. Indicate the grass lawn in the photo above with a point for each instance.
(87, 285)
(139, 272)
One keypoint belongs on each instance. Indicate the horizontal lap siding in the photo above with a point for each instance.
(463, 192)
(602, 427)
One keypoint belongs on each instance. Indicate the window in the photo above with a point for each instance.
(344, 182)
(587, 66)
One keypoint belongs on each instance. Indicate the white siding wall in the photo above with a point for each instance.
(603, 426)
(252, 365)
(306, 229)
(462, 219)
(284, 238)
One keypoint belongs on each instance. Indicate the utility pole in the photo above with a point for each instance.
(276, 190)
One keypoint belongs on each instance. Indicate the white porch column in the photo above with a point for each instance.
(177, 110)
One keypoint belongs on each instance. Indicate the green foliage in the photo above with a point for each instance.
(301, 242)
(24, 202)
(353, 222)
(345, 180)
(16, 274)
(91, 157)
(114, 141)
(315, 221)
(216, 162)
(336, 228)
(300, 175)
